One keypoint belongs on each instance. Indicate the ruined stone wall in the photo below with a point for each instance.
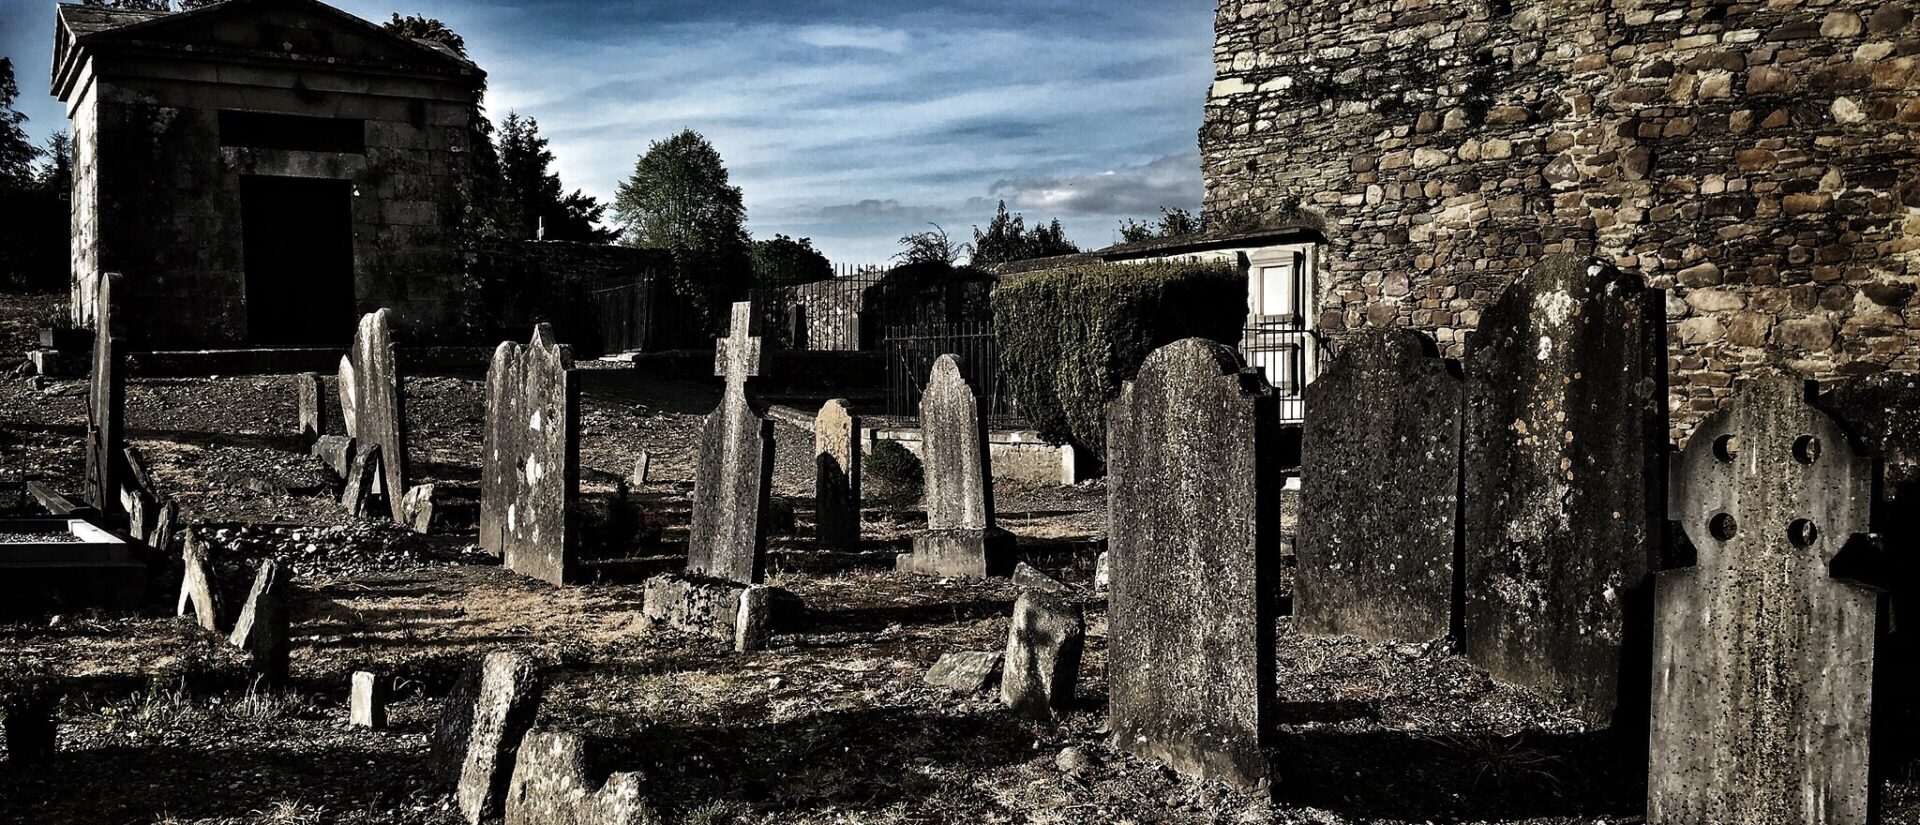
(1757, 160)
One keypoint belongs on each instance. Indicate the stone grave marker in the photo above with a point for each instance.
(1380, 493)
(361, 495)
(311, 396)
(642, 469)
(966, 671)
(1194, 504)
(262, 627)
(1042, 664)
(165, 525)
(480, 738)
(727, 537)
(336, 451)
(551, 786)
(372, 401)
(106, 401)
(1566, 435)
(367, 703)
(961, 538)
(836, 488)
(196, 586)
(531, 482)
(1763, 695)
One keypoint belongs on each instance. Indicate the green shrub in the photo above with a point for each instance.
(891, 474)
(1068, 337)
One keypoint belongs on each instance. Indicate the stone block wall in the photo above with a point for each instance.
(1758, 160)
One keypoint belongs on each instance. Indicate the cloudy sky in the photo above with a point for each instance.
(848, 121)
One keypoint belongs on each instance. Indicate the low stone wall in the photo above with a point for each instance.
(1020, 455)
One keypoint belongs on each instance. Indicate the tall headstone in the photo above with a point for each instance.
(372, 403)
(836, 489)
(262, 627)
(962, 538)
(727, 538)
(310, 395)
(1379, 493)
(1763, 696)
(531, 478)
(1566, 434)
(1194, 505)
(106, 402)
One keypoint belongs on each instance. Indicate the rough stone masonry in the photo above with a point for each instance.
(531, 455)
(1194, 502)
(1763, 698)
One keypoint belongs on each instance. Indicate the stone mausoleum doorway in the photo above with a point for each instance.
(298, 236)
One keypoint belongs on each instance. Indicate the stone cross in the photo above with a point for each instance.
(727, 538)
(739, 355)
(1763, 654)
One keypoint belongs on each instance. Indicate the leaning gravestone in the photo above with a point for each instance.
(961, 537)
(196, 585)
(1194, 504)
(727, 539)
(311, 396)
(1566, 432)
(551, 786)
(372, 404)
(1380, 491)
(836, 489)
(106, 402)
(531, 480)
(1041, 668)
(262, 627)
(1764, 702)
(480, 728)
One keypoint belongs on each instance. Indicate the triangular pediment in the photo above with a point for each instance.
(305, 29)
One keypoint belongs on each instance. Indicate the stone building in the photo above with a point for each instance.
(1757, 159)
(264, 171)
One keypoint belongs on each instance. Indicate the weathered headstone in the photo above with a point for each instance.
(503, 710)
(262, 627)
(961, 537)
(727, 537)
(1026, 576)
(1102, 576)
(106, 401)
(1042, 664)
(361, 495)
(642, 469)
(742, 614)
(836, 488)
(311, 396)
(196, 586)
(165, 525)
(417, 507)
(550, 786)
(1763, 695)
(336, 451)
(531, 480)
(372, 403)
(966, 672)
(1194, 504)
(367, 703)
(1380, 493)
(1565, 436)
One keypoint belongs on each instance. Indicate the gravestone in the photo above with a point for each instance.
(138, 495)
(966, 672)
(106, 401)
(1042, 664)
(961, 538)
(336, 451)
(164, 526)
(727, 537)
(1380, 493)
(372, 403)
(531, 481)
(550, 786)
(836, 488)
(1194, 504)
(367, 703)
(311, 396)
(1763, 701)
(417, 506)
(503, 710)
(262, 627)
(361, 495)
(196, 586)
(738, 613)
(1565, 438)
(642, 469)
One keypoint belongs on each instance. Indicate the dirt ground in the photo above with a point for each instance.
(831, 725)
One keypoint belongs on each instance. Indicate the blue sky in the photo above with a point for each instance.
(849, 122)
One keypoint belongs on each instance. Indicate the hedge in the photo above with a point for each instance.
(1068, 337)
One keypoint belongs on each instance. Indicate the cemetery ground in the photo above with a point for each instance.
(832, 724)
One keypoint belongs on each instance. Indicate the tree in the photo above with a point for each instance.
(56, 175)
(429, 29)
(1174, 223)
(784, 261)
(16, 152)
(1007, 239)
(33, 238)
(929, 247)
(679, 199)
(530, 192)
(151, 5)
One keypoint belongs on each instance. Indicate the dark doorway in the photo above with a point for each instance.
(299, 258)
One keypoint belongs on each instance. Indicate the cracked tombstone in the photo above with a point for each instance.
(1763, 693)
(531, 482)
(551, 786)
(1042, 664)
(262, 627)
(196, 585)
(1380, 492)
(1194, 500)
(372, 402)
(106, 439)
(965, 671)
(1566, 437)
(836, 489)
(961, 538)
(480, 729)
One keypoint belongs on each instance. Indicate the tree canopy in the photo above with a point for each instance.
(1007, 239)
(530, 191)
(679, 198)
(1173, 223)
(784, 261)
(929, 247)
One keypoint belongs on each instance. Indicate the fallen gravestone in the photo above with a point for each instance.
(480, 728)
(740, 614)
(550, 786)
(531, 483)
(310, 393)
(367, 703)
(961, 537)
(1565, 439)
(106, 401)
(1763, 707)
(1380, 491)
(372, 403)
(966, 672)
(262, 627)
(1194, 500)
(196, 586)
(836, 489)
(1042, 663)
(1025, 576)
(336, 451)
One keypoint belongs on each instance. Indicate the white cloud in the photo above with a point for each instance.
(891, 41)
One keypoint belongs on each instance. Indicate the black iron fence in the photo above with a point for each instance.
(911, 351)
(1291, 358)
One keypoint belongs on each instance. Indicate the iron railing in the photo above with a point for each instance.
(911, 351)
(1291, 358)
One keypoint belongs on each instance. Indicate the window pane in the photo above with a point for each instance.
(1276, 291)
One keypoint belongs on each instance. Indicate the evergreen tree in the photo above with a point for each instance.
(16, 152)
(530, 192)
(784, 261)
(679, 199)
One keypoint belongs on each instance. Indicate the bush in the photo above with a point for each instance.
(1068, 337)
(891, 474)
